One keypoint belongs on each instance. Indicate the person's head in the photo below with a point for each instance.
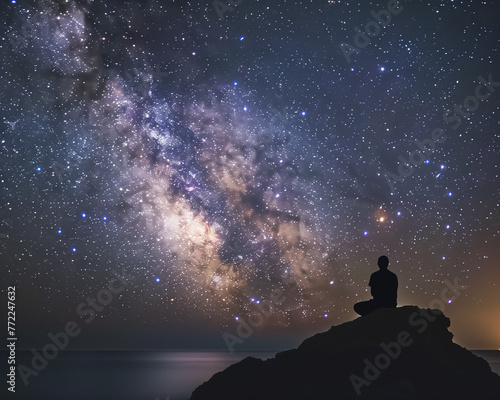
(383, 262)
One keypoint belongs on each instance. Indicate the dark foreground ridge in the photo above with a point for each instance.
(390, 354)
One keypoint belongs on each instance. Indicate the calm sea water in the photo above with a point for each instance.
(136, 375)
(123, 375)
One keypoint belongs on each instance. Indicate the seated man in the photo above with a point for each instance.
(384, 289)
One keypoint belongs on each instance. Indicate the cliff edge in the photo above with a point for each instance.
(391, 353)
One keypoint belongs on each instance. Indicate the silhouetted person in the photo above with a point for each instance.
(384, 289)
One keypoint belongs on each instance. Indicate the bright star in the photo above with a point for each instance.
(73, 249)
(382, 69)
(84, 215)
(157, 279)
(450, 194)
(242, 38)
(365, 233)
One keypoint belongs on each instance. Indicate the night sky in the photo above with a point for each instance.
(218, 153)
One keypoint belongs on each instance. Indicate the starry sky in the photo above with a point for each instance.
(219, 153)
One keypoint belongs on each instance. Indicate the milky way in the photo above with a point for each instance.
(219, 159)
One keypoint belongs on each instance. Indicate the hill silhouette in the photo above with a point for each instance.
(391, 353)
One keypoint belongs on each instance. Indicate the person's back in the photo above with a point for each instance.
(384, 288)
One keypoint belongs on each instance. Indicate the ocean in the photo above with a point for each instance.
(137, 375)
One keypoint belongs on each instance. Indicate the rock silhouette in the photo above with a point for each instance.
(391, 353)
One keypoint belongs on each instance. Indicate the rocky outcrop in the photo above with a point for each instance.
(400, 353)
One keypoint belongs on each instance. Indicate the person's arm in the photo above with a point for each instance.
(371, 285)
